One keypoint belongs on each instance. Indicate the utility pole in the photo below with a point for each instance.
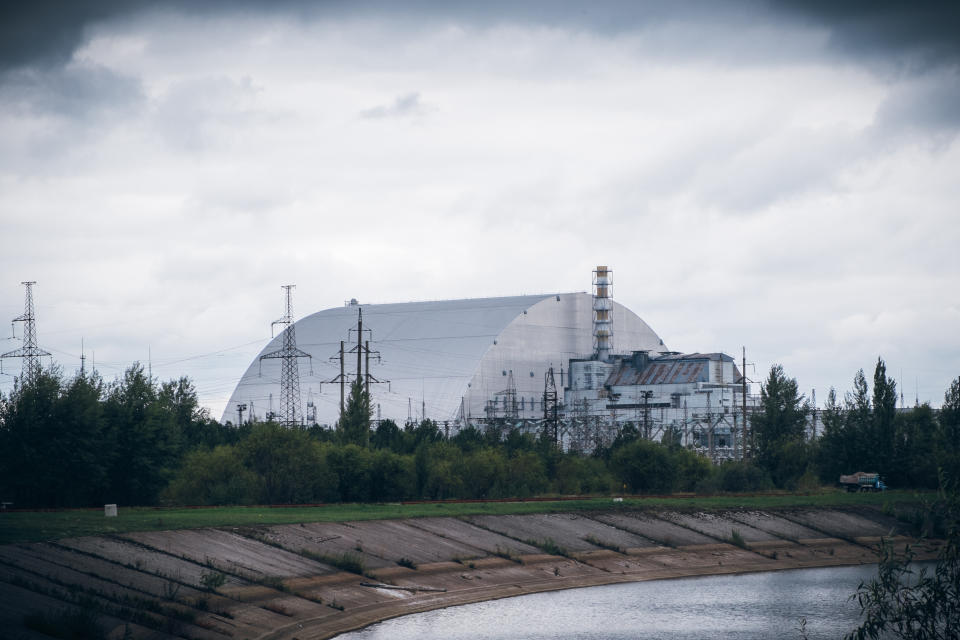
(240, 409)
(744, 380)
(290, 409)
(363, 351)
(30, 352)
(813, 401)
(342, 378)
(366, 378)
(646, 413)
(359, 339)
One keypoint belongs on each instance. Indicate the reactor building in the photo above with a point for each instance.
(579, 363)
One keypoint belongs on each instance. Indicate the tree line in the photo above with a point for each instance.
(81, 441)
(865, 431)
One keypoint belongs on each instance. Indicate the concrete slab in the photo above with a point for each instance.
(485, 542)
(774, 524)
(140, 558)
(567, 530)
(838, 523)
(715, 525)
(230, 552)
(327, 539)
(649, 526)
(396, 539)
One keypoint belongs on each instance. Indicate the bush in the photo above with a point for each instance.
(215, 477)
(212, 580)
(644, 467)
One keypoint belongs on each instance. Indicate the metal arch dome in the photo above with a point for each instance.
(439, 356)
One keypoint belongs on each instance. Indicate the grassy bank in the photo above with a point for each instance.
(32, 526)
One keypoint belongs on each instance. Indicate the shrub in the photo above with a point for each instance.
(212, 580)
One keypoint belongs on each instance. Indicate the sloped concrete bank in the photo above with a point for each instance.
(316, 580)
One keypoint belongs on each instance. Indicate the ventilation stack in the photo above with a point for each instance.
(602, 319)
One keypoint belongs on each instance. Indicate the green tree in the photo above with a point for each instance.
(31, 442)
(387, 436)
(144, 441)
(290, 465)
(214, 477)
(915, 453)
(837, 452)
(643, 466)
(859, 417)
(354, 424)
(948, 432)
(484, 473)
(526, 475)
(438, 470)
(779, 425)
(884, 418)
(392, 476)
(578, 475)
(81, 477)
(351, 464)
(416, 436)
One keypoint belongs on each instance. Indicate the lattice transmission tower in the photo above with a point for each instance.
(290, 411)
(551, 421)
(30, 352)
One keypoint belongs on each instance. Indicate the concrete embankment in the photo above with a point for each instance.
(316, 580)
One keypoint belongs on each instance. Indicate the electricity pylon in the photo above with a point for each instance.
(30, 352)
(290, 411)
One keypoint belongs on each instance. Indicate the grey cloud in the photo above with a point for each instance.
(919, 34)
(916, 35)
(192, 113)
(406, 105)
(76, 103)
(75, 91)
(928, 105)
(45, 34)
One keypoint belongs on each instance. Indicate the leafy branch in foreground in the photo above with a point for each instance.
(914, 604)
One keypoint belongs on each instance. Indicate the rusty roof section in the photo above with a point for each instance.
(680, 368)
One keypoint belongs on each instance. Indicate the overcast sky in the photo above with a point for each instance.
(782, 176)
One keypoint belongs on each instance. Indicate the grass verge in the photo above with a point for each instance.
(35, 526)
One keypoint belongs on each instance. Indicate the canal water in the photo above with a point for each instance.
(759, 605)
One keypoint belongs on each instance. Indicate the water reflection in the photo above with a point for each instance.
(761, 605)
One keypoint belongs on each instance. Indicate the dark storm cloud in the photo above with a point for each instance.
(45, 34)
(919, 34)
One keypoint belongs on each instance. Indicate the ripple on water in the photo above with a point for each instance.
(760, 605)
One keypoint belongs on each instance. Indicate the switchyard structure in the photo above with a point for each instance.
(545, 363)
(30, 352)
